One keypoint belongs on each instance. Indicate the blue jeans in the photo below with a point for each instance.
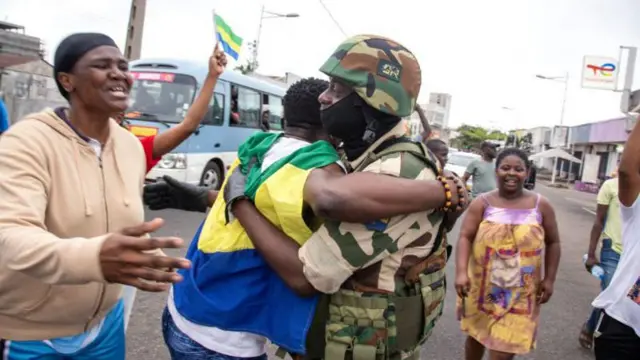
(609, 262)
(181, 347)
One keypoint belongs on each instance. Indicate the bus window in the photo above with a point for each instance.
(161, 96)
(216, 110)
(248, 108)
(276, 110)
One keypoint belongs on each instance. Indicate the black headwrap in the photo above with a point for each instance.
(72, 48)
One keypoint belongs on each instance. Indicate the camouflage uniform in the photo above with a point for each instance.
(383, 275)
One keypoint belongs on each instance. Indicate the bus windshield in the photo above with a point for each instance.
(164, 97)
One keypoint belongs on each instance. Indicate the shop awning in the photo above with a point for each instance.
(555, 153)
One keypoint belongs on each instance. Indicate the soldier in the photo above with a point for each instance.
(384, 280)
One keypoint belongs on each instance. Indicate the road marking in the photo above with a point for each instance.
(588, 210)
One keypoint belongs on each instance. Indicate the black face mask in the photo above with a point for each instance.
(346, 120)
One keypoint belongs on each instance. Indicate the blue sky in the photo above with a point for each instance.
(485, 53)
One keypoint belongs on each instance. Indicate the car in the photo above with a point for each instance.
(458, 162)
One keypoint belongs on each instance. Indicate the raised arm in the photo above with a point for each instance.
(168, 140)
(629, 169)
(424, 122)
(364, 196)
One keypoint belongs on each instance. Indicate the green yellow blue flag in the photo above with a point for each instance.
(230, 42)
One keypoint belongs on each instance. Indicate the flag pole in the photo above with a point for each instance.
(215, 28)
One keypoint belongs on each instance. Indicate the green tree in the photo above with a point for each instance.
(247, 68)
(471, 136)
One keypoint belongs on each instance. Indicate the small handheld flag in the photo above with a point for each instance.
(230, 42)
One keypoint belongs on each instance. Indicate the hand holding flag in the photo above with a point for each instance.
(217, 61)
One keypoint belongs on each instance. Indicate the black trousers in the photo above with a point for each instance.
(616, 341)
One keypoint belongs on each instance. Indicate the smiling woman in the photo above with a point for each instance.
(71, 215)
(499, 263)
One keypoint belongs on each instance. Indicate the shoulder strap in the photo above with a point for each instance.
(398, 145)
(439, 237)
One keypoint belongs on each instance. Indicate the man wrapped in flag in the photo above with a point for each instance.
(231, 287)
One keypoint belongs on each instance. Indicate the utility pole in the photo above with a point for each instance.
(135, 28)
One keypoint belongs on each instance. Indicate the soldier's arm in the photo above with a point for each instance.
(336, 250)
(365, 196)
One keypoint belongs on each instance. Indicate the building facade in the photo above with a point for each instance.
(598, 145)
(437, 112)
(29, 88)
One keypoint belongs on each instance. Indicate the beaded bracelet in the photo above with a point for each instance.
(449, 196)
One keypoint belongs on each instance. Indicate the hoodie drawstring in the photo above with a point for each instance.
(76, 160)
(125, 193)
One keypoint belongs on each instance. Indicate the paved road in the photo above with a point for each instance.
(560, 321)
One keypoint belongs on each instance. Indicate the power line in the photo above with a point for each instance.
(333, 18)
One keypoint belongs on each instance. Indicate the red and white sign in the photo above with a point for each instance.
(599, 72)
(152, 76)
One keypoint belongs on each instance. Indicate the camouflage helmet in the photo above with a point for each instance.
(381, 71)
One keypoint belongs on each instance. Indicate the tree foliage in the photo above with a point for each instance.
(471, 136)
(247, 68)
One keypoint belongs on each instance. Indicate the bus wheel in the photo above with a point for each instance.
(212, 176)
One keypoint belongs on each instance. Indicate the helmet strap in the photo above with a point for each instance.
(369, 136)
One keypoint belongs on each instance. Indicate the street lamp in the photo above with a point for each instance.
(264, 14)
(563, 79)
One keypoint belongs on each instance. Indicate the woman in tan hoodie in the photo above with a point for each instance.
(71, 217)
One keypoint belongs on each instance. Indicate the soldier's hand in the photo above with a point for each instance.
(170, 193)
(123, 258)
(459, 195)
(234, 189)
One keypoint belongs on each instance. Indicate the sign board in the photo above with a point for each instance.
(153, 76)
(599, 72)
(559, 136)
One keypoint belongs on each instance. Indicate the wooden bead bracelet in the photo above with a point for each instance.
(449, 196)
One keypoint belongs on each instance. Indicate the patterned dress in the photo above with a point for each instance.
(505, 265)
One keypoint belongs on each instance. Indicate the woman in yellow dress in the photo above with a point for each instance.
(499, 277)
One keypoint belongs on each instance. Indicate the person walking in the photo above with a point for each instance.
(482, 171)
(617, 331)
(607, 227)
(72, 226)
(499, 263)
